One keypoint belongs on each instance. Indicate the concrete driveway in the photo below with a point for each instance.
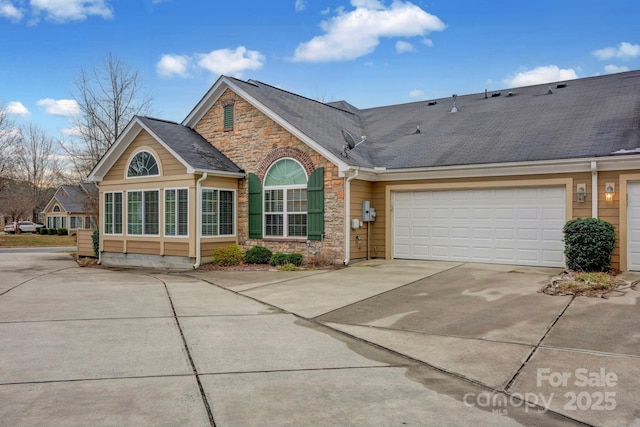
(379, 343)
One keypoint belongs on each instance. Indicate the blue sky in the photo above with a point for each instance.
(368, 52)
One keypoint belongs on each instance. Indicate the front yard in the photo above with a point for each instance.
(25, 240)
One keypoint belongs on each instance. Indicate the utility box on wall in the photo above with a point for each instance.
(368, 213)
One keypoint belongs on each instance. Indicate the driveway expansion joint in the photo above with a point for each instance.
(34, 278)
(189, 356)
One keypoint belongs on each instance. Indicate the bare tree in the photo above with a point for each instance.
(16, 201)
(108, 97)
(8, 135)
(38, 165)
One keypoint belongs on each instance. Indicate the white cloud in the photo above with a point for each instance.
(427, 42)
(59, 107)
(173, 65)
(325, 11)
(301, 5)
(232, 62)
(72, 132)
(16, 108)
(350, 35)
(611, 69)
(403, 46)
(538, 75)
(624, 50)
(8, 10)
(71, 10)
(416, 93)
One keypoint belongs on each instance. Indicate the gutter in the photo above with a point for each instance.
(594, 189)
(347, 217)
(198, 219)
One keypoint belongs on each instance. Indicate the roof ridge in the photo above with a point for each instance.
(162, 120)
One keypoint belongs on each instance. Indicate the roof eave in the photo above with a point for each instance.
(574, 165)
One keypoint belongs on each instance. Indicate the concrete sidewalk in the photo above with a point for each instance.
(379, 343)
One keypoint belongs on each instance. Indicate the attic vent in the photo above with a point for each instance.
(561, 85)
(432, 103)
(495, 95)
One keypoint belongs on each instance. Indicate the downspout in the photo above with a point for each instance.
(347, 218)
(198, 212)
(594, 189)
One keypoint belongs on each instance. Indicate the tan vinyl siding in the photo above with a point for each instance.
(378, 228)
(169, 165)
(176, 248)
(360, 190)
(143, 247)
(109, 245)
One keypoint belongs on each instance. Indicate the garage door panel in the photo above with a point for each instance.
(633, 226)
(519, 226)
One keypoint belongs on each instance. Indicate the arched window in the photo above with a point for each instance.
(285, 200)
(56, 208)
(143, 164)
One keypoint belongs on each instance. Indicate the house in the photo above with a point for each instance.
(72, 207)
(488, 177)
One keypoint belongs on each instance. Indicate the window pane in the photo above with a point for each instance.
(134, 212)
(297, 200)
(170, 212)
(273, 201)
(209, 207)
(297, 225)
(117, 213)
(151, 212)
(143, 164)
(285, 172)
(273, 225)
(183, 212)
(226, 213)
(108, 214)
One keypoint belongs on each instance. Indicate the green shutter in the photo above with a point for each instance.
(315, 200)
(255, 207)
(228, 117)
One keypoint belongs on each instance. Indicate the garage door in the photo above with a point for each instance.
(520, 226)
(633, 226)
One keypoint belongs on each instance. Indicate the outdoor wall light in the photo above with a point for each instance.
(609, 191)
(581, 192)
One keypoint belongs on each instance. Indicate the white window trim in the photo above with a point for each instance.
(235, 213)
(124, 214)
(285, 213)
(164, 213)
(133, 155)
(125, 227)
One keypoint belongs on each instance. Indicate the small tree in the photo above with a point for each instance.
(589, 244)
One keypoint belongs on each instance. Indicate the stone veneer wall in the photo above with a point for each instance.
(254, 144)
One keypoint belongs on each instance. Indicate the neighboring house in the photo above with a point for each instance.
(489, 177)
(72, 207)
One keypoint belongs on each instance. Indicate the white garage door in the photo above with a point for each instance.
(633, 226)
(520, 226)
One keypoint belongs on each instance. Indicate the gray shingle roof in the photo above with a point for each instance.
(190, 146)
(76, 196)
(590, 117)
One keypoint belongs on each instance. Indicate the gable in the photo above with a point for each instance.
(167, 162)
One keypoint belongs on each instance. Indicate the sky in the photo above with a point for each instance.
(367, 52)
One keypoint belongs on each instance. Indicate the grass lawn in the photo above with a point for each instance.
(26, 240)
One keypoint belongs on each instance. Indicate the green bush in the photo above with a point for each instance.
(53, 231)
(282, 258)
(43, 230)
(227, 255)
(279, 258)
(295, 259)
(95, 239)
(62, 232)
(258, 255)
(589, 244)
